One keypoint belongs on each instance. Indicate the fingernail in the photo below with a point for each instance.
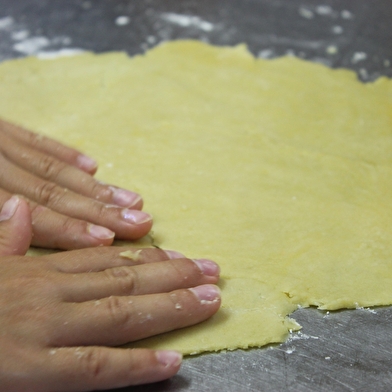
(86, 163)
(100, 232)
(206, 293)
(124, 198)
(135, 216)
(172, 254)
(168, 358)
(9, 208)
(208, 267)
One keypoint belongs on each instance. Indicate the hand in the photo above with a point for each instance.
(59, 314)
(70, 209)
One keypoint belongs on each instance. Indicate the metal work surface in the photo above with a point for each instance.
(337, 351)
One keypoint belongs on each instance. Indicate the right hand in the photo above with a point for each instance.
(62, 315)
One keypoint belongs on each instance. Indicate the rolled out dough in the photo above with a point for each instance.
(280, 170)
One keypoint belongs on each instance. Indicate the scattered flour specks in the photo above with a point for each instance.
(122, 20)
(53, 54)
(337, 29)
(302, 336)
(324, 10)
(78, 352)
(20, 35)
(306, 13)
(151, 39)
(266, 54)
(87, 5)
(187, 21)
(345, 14)
(364, 73)
(31, 45)
(370, 310)
(61, 40)
(332, 49)
(6, 23)
(358, 56)
(40, 46)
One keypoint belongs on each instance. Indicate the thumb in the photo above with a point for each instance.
(15, 227)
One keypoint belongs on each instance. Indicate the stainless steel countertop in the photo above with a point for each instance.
(337, 351)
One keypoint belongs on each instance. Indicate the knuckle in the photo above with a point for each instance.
(49, 167)
(126, 277)
(72, 233)
(179, 300)
(178, 270)
(73, 226)
(182, 272)
(100, 192)
(92, 362)
(100, 210)
(48, 193)
(36, 209)
(118, 311)
(35, 139)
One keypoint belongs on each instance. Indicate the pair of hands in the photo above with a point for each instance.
(62, 315)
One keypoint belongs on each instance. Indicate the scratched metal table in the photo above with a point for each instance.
(340, 351)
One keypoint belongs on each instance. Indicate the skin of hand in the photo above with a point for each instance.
(62, 315)
(70, 209)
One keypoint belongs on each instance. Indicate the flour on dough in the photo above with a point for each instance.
(280, 170)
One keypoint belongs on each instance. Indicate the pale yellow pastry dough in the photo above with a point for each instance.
(280, 170)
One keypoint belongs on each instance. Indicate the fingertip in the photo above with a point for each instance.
(9, 208)
(15, 227)
(173, 254)
(96, 236)
(135, 217)
(125, 198)
(208, 267)
(169, 359)
(100, 232)
(86, 164)
(207, 293)
(137, 224)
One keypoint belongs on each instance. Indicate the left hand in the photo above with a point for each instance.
(70, 209)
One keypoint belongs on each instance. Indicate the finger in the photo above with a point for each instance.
(126, 223)
(119, 320)
(57, 231)
(150, 278)
(50, 146)
(57, 171)
(15, 227)
(97, 368)
(99, 259)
